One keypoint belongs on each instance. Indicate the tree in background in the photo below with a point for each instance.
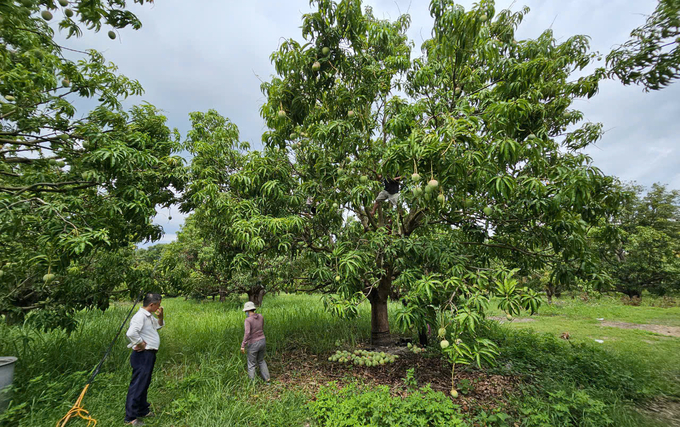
(240, 203)
(645, 253)
(189, 266)
(72, 188)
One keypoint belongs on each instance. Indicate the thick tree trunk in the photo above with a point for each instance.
(552, 291)
(380, 325)
(259, 296)
(256, 295)
(223, 294)
(632, 293)
(549, 293)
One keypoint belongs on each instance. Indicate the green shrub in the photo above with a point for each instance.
(542, 358)
(564, 408)
(353, 406)
(568, 384)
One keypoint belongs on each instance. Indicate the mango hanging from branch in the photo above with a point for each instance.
(432, 185)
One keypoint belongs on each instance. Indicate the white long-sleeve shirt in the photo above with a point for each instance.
(144, 327)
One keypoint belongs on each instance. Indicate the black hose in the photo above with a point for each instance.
(101, 362)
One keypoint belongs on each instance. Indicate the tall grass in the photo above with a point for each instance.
(200, 373)
(200, 377)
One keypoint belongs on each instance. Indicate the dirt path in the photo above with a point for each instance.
(500, 319)
(671, 331)
(665, 411)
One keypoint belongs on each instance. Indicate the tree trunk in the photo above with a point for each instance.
(422, 333)
(380, 326)
(422, 337)
(256, 295)
(223, 294)
(549, 291)
(259, 296)
(632, 293)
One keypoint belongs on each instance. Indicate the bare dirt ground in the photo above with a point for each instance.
(310, 372)
(666, 411)
(671, 331)
(500, 319)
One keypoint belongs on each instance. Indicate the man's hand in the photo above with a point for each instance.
(243, 350)
(159, 312)
(140, 347)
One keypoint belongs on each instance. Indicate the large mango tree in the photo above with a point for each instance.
(74, 186)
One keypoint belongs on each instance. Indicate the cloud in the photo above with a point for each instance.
(194, 56)
(167, 238)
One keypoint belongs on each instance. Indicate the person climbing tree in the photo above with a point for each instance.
(311, 206)
(390, 192)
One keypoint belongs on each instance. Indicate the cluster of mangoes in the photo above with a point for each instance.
(363, 357)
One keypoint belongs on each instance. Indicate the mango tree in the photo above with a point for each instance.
(239, 206)
(651, 57)
(482, 132)
(72, 184)
(640, 247)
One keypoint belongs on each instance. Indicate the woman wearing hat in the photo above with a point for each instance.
(254, 339)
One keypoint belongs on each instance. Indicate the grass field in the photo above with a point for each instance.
(580, 320)
(200, 377)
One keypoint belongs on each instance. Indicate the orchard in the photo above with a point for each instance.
(407, 213)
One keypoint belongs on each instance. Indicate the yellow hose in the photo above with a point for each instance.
(78, 410)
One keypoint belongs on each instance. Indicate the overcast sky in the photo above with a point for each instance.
(203, 54)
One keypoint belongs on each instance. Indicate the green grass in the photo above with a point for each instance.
(200, 377)
(579, 319)
(611, 308)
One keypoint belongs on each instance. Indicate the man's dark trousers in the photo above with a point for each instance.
(142, 363)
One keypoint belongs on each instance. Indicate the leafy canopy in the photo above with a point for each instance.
(72, 185)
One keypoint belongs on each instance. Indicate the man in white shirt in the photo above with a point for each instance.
(144, 340)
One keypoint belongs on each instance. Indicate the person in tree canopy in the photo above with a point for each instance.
(311, 205)
(390, 192)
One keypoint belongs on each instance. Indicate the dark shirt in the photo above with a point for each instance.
(391, 185)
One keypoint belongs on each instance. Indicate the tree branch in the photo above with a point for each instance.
(53, 187)
(508, 247)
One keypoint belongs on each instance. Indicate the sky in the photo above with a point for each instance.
(213, 54)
